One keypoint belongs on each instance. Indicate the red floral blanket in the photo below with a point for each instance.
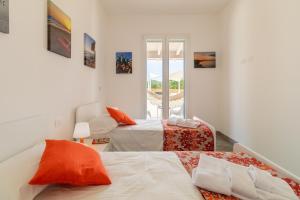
(190, 160)
(188, 139)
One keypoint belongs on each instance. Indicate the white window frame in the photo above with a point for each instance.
(165, 39)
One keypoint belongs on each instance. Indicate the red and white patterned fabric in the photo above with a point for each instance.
(188, 139)
(190, 161)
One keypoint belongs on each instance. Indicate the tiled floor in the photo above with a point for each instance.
(223, 143)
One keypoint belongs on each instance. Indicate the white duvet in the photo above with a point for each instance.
(135, 176)
(147, 135)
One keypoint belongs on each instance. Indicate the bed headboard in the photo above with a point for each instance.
(19, 135)
(87, 112)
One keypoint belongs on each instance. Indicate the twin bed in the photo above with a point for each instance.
(135, 176)
(157, 175)
(157, 135)
(151, 135)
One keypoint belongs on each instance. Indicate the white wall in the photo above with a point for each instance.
(34, 81)
(261, 78)
(126, 33)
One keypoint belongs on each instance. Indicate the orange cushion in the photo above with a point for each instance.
(70, 163)
(120, 117)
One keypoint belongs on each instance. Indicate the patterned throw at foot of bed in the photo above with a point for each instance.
(190, 161)
(188, 139)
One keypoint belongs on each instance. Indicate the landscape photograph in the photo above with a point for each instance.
(4, 16)
(89, 51)
(124, 62)
(205, 59)
(59, 31)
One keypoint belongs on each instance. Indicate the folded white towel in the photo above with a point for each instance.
(268, 183)
(213, 175)
(188, 123)
(242, 184)
(221, 176)
(263, 195)
(246, 183)
(172, 121)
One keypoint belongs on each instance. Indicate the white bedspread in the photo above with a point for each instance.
(135, 176)
(147, 135)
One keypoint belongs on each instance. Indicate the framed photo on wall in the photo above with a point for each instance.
(4, 16)
(59, 31)
(89, 51)
(205, 60)
(124, 62)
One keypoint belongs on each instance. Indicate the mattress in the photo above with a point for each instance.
(135, 176)
(147, 135)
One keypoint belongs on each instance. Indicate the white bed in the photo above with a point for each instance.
(147, 135)
(135, 176)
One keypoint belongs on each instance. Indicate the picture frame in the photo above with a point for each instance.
(59, 31)
(4, 16)
(204, 59)
(124, 62)
(89, 51)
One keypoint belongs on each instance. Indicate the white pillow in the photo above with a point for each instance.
(102, 125)
(17, 171)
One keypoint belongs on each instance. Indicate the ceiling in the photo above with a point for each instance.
(148, 7)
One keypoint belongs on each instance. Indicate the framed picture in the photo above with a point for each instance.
(4, 16)
(205, 59)
(89, 51)
(124, 62)
(59, 31)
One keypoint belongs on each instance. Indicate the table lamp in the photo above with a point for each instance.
(82, 130)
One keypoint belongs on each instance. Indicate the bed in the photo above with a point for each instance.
(156, 135)
(135, 176)
(160, 175)
(151, 135)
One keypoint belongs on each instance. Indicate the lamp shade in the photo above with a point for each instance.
(82, 130)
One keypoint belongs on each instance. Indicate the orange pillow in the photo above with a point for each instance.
(120, 117)
(70, 163)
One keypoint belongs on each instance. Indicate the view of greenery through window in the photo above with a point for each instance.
(155, 77)
(173, 84)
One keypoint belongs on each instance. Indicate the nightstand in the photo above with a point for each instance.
(96, 147)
